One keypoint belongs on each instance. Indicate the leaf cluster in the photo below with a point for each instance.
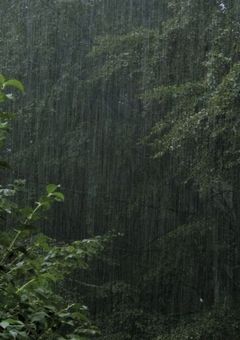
(31, 264)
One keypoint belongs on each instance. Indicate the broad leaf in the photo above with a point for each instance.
(51, 188)
(14, 83)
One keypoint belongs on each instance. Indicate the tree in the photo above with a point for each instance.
(134, 109)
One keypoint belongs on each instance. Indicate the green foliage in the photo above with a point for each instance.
(5, 117)
(102, 80)
(214, 124)
(178, 87)
(32, 264)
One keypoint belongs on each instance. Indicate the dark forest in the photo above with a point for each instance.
(132, 109)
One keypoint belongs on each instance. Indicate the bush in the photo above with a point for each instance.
(31, 264)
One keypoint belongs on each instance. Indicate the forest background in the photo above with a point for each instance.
(133, 107)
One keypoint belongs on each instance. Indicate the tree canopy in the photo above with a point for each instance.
(133, 107)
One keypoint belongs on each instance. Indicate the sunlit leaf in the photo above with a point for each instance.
(15, 84)
(51, 188)
(58, 196)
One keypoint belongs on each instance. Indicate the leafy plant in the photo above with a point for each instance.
(31, 264)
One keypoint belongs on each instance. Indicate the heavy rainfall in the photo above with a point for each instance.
(120, 159)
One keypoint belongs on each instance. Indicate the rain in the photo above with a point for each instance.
(132, 107)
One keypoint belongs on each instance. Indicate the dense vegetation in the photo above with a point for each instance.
(133, 106)
(31, 264)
